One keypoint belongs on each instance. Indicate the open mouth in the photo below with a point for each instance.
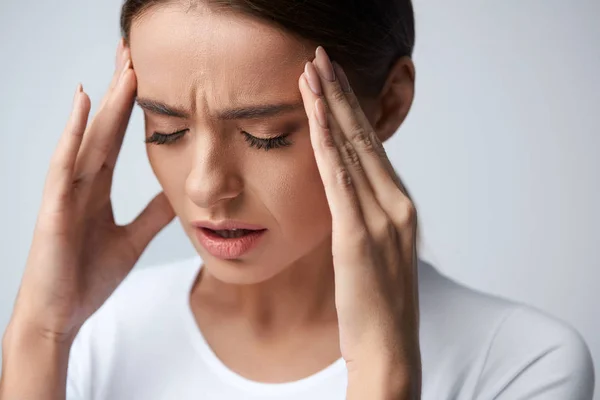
(230, 234)
(229, 243)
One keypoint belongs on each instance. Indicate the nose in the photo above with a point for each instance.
(213, 178)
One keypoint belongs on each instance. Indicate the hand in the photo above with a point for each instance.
(79, 255)
(374, 235)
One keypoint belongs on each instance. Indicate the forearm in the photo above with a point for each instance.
(34, 366)
(383, 381)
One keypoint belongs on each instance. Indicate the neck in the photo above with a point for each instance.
(301, 294)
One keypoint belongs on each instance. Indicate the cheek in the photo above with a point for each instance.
(286, 182)
(294, 193)
(171, 171)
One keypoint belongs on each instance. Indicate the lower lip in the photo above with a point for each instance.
(224, 248)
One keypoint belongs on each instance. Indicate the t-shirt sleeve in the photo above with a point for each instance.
(78, 371)
(536, 357)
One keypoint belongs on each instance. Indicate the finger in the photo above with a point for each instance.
(372, 212)
(111, 159)
(106, 127)
(120, 59)
(354, 123)
(60, 173)
(339, 189)
(387, 186)
(157, 214)
(119, 56)
(122, 56)
(398, 204)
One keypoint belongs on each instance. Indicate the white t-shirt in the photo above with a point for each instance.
(144, 343)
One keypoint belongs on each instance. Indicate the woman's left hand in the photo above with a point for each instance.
(373, 238)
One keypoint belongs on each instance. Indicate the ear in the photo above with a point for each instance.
(395, 99)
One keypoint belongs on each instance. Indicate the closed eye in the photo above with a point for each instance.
(270, 143)
(165, 138)
(259, 143)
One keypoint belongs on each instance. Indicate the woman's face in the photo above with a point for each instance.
(203, 63)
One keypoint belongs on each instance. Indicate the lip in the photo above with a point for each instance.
(224, 248)
(227, 249)
(226, 225)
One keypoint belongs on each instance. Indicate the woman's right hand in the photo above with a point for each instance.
(79, 255)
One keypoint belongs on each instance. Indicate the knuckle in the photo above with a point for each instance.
(407, 212)
(328, 140)
(355, 126)
(343, 178)
(411, 210)
(363, 139)
(353, 101)
(385, 229)
(378, 146)
(78, 182)
(338, 95)
(350, 156)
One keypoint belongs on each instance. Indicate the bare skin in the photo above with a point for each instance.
(286, 303)
(78, 255)
(288, 299)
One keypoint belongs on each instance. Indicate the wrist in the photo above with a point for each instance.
(21, 331)
(34, 363)
(383, 380)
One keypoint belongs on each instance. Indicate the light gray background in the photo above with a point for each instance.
(500, 150)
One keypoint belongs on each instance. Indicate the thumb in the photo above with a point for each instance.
(157, 214)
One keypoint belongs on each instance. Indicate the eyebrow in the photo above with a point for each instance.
(250, 112)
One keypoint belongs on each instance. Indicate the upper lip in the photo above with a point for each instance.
(226, 225)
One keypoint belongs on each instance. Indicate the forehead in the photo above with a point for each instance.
(213, 58)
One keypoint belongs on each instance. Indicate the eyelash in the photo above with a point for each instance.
(271, 143)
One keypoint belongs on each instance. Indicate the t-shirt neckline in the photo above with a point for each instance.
(228, 375)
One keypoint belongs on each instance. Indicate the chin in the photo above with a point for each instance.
(239, 272)
(247, 270)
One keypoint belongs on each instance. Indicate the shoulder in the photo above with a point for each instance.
(502, 349)
(534, 352)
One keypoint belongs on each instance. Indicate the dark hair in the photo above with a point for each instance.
(366, 37)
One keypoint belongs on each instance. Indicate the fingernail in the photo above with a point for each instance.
(339, 71)
(312, 78)
(324, 64)
(77, 91)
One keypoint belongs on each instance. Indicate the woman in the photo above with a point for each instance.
(307, 282)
